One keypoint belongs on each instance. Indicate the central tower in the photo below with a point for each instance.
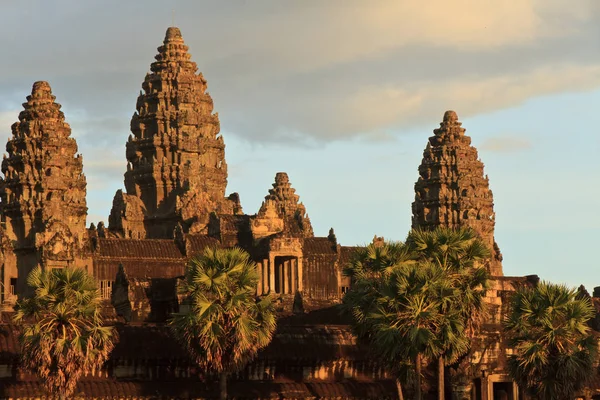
(176, 169)
(452, 190)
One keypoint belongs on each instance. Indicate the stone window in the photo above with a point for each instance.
(106, 289)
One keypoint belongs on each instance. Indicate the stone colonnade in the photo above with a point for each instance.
(279, 274)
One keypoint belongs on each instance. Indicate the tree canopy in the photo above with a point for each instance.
(226, 324)
(418, 300)
(554, 348)
(63, 336)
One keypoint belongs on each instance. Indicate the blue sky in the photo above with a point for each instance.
(343, 95)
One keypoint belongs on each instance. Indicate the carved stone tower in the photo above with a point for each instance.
(452, 190)
(176, 171)
(43, 191)
(281, 211)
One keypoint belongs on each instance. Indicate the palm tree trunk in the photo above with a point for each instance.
(418, 395)
(223, 386)
(441, 393)
(399, 389)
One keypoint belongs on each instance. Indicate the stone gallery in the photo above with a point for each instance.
(175, 205)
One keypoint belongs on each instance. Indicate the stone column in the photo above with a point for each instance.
(259, 270)
(272, 274)
(299, 269)
(294, 276)
(286, 277)
(485, 388)
(280, 273)
(265, 276)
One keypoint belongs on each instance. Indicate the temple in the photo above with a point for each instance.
(42, 194)
(452, 190)
(176, 170)
(174, 206)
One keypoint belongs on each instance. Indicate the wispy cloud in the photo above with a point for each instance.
(307, 71)
(505, 144)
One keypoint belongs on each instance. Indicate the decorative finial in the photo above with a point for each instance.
(41, 87)
(281, 177)
(450, 128)
(172, 33)
(450, 116)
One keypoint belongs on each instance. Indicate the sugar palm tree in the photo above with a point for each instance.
(377, 260)
(553, 346)
(63, 336)
(395, 305)
(406, 320)
(368, 268)
(226, 324)
(462, 256)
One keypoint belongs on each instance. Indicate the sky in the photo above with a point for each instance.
(343, 95)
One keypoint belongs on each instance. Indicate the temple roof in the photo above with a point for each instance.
(346, 254)
(197, 243)
(319, 245)
(142, 248)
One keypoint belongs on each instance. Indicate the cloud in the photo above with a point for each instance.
(363, 109)
(305, 72)
(505, 144)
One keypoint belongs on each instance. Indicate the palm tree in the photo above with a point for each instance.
(462, 256)
(369, 267)
(395, 306)
(226, 324)
(553, 346)
(63, 336)
(377, 260)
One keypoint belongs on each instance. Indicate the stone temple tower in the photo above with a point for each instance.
(282, 212)
(43, 191)
(176, 170)
(452, 190)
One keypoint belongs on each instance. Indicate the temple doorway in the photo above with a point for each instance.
(503, 391)
(286, 275)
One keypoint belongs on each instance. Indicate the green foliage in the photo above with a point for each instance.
(423, 298)
(462, 255)
(226, 324)
(63, 336)
(553, 346)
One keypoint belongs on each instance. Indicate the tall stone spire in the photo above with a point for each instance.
(176, 157)
(43, 190)
(452, 190)
(282, 211)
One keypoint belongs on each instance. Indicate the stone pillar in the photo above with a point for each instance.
(265, 276)
(259, 271)
(280, 280)
(286, 277)
(272, 274)
(485, 389)
(299, 269)
(515, 390)
(294, 275)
